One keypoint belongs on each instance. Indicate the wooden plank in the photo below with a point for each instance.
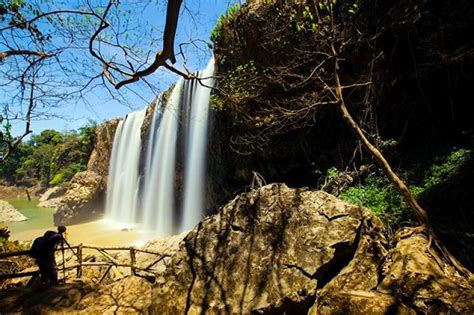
(106, 255)
(105, 248)
(23, 253)
(148, 252)
(155, 262)
(79, 261)
(132, 261)
(18, 275)
(13, 254)
(105, 273)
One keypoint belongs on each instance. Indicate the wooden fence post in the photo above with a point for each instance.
(79, 261)
(132, 261)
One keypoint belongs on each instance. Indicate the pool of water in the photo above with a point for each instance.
(38, 218)
(100, 232)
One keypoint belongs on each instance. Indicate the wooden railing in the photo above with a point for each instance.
(78, 253)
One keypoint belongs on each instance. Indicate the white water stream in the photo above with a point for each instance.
(152, 204)
(123, 180)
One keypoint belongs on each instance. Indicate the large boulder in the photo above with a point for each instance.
(53, 192)
(278, 250)
(52, 197)
(412, 279)
(8, 213)
(267, 250)
(80, 203)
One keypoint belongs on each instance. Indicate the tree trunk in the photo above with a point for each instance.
(396, 181)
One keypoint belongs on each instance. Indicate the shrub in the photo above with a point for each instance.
(57, 179)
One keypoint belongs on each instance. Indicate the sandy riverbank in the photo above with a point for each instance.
(91, 233)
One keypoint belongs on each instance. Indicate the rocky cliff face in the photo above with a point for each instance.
(100, 156)
(274, 250)
(85, 195)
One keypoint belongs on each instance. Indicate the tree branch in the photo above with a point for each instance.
(172, 14)
(9, 53)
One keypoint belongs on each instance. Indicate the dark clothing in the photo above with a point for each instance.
(44, 248)
(47, 268)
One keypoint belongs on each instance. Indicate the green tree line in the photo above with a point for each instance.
(49, 158)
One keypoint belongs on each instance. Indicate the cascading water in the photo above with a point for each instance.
(123, 181)
(158, 195)
(196, 142)
(156, 209)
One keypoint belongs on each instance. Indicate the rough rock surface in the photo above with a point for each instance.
(275, 250)
(53, 192)
(51, 203)
(100, 156)
(269, 249)
(280, 250)
(80, 201)
(8, 213)
(84, 198)
(51, 197)
(130, 295)
(417, 275)
(11, 192)
(412, 279)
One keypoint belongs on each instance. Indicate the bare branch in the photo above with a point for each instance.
(9, 53)
(172, 14)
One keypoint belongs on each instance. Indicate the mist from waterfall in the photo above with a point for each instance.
(152, 201)
(123, 179)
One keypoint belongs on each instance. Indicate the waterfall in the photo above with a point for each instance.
(195, 152)
(158, 195)
(123, 180)
(153, 204)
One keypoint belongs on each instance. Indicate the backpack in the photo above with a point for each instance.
(37, 247)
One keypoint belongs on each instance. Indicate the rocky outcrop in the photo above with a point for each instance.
(411, 279)
(270, 249)
(414, 273)
(100, 156)
(52, 193)
(52, 197)
(131, 295)
(276, 250)
(11, 192)
(8, 213)
(280, 250)
(80, 203)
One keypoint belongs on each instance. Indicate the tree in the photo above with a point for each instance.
(271, 96)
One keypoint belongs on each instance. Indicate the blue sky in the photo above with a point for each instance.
(196, 22)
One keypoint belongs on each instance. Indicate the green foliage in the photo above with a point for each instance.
(57, 179)
(224, 19)
(377, 194)
(216, 102)
(331, 172)
(445, 168)
(373, 194)
(236, 79)
(304, 21)
(50, 158)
